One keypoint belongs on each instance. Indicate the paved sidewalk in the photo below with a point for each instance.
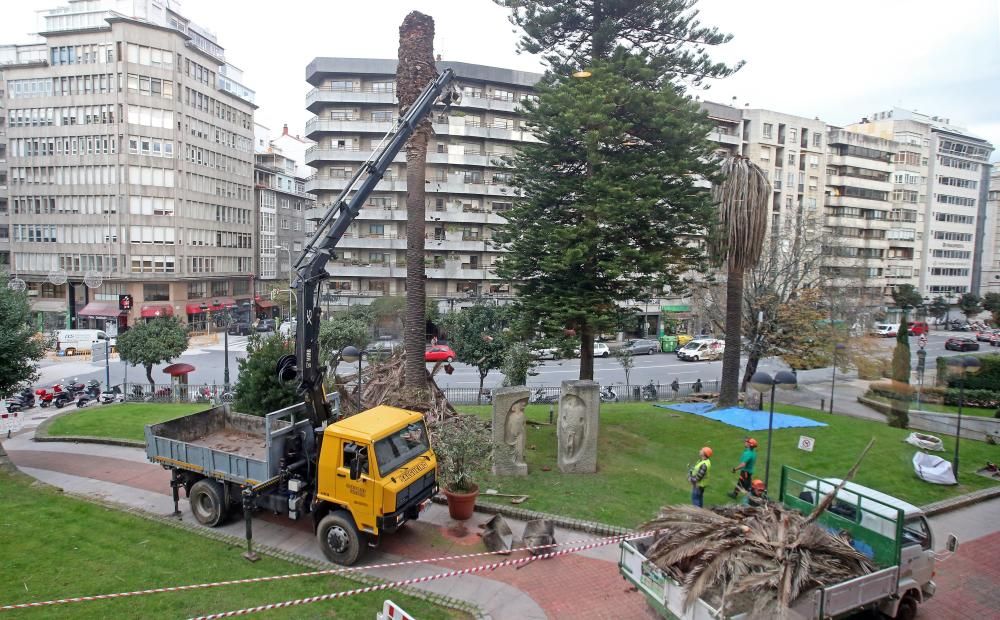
(968, 583)
(584, 585)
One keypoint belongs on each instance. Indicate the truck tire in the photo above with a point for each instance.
(207, 500)
(339, 538)
(907, 609)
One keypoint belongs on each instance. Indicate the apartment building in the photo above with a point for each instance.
(354, 104)
(282, 203)
(8, 55)
(991, 246)
(130, 166)
(941, 173)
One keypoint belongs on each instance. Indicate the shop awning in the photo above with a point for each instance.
(194, 309)
(265, 303)
(221, 303)
(107, 309)
(49, 305)
(151, 311)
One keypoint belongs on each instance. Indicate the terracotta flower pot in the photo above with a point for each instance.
(461, 505)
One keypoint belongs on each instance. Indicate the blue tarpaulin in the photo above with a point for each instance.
(742, 418)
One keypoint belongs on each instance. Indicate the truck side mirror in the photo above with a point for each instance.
(952, 544)
(356, 469)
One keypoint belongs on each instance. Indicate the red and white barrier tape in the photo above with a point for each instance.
(416, 580)
(330, 571)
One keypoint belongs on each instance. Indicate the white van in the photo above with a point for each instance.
(702, 349)
(73, 341)
(886, 330)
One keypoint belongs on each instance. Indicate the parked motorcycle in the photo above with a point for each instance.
(90, 394)
(46, 397)
(114, 395)
(649, 392)
(23, 400)
(67, 394)
(541, 397)
(608, 395)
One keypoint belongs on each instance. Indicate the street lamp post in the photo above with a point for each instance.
(761, 381)
(352, 354)
(833, 382)
(289, 252)
(961, 365)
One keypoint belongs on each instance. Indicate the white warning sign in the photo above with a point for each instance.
(806, 443)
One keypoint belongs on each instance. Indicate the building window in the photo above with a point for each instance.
(768, 130)
(793, 134)
(220, 288)
(197, 290)
(156, 292)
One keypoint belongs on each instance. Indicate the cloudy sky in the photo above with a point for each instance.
(837, 61)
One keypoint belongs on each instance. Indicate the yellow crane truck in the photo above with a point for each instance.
(357, 477)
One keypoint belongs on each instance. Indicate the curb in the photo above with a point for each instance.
(961, 501)
(42, 435)
(582, 525)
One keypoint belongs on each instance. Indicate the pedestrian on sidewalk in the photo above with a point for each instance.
(747, 462)
(698, 476)
(676, 387)
(696, 388)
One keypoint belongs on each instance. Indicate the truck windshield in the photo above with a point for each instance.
(401, 447)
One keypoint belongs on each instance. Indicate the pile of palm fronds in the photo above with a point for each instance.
(382, 384)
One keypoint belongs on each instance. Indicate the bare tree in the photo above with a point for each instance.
(416, 69)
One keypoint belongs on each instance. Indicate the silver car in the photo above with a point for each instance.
(642, 347)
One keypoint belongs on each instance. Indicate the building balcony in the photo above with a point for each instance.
(725, 138)
(316, 156)
(318, 98)
(322, 183)
(854, 201)
(833, 159)
(398, 214)
(842, 181)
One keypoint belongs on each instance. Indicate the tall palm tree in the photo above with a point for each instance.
(415, 70)
(742, 198)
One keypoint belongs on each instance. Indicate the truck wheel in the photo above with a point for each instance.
(208, 503)
(339, 538)
(907, 609)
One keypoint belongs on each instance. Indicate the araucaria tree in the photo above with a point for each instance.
(608, 199)
(155, 342)
(742, 195)
(415, 70)
(19, 348)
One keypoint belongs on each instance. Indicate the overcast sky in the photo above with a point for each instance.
(838, 61)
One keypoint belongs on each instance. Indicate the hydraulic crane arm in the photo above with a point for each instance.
(310, 268)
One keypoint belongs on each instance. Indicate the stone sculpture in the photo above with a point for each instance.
(509, 430)
(579, 410)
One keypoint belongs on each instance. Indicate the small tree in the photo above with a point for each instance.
(475, 335)
(258, 390)
(518, 364)
(900, 406)
(340, 331)
(970, 304)
(991, 302)
(464, 448)
(906, 296)
(155, 342)
(939, 308)
(626, 360)
(803, 338)
(19, 345)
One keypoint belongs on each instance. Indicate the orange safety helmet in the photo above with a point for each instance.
(707, 452)
(751, 442)
(758, 485)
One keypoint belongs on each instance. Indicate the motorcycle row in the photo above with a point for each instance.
(649, 392)
(62, 395)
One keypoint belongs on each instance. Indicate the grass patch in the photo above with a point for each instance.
(56, 546)
(644, 453)
(119, 421)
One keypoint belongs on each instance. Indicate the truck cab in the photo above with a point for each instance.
(378, 469)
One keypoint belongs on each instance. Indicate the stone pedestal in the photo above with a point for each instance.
(579, 411)
(509, 429)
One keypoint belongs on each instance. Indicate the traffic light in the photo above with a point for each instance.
(125, 302)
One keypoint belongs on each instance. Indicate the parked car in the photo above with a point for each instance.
(601, 350)
(240, 328)
(545, 353)
(886, 330)
(995, 338)
(287, 329)
(265, 325)
(961, 343)
(439, 353)
(919, 327)
(382, 348)
(983, 335)
(642, 347)
(705, 349)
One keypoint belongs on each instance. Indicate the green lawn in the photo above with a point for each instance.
(56, 546)
(644, 453)
(119, 421)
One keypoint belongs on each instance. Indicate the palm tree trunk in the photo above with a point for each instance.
(415, 70)
(729, 391)
(587, 352)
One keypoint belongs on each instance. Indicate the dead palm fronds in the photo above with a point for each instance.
(381, 383)
(751, 559)
(737, 239)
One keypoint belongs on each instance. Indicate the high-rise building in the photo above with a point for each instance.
(354, 103)
(991, 247)
(130, 166)
(941, 173)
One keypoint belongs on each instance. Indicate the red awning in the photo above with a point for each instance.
(265, 303)
(105, 309)
(175, 370)
(194, 309)
(151, 311)
(221, 303)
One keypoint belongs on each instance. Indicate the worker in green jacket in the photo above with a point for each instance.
(747, 462)
(698, 476)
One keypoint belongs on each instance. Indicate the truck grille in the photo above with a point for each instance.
(414, 490)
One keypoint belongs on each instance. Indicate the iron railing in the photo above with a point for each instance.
(541, 395)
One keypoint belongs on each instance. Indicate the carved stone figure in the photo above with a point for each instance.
(509, 430)
(579, 410)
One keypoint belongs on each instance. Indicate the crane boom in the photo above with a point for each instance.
(310, 268)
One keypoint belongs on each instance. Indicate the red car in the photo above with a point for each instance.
(439, 353)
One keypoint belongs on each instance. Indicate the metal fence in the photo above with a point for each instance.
(171, 393)
(617, 392)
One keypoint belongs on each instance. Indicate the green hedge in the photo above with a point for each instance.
(988, 377)
(987, 399)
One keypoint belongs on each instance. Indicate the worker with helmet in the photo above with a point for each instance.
(747, 462)
(757, 496)
(698, 476)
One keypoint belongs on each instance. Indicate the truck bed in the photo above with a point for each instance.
(234, 442)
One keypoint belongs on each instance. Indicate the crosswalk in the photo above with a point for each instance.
(237, 344)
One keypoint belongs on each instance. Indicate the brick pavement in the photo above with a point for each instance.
(968, 583)
(573, 585)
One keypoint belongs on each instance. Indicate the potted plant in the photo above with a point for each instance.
(464, 448)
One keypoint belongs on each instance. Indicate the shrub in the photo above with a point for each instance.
(988, 377)
(986, 399)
